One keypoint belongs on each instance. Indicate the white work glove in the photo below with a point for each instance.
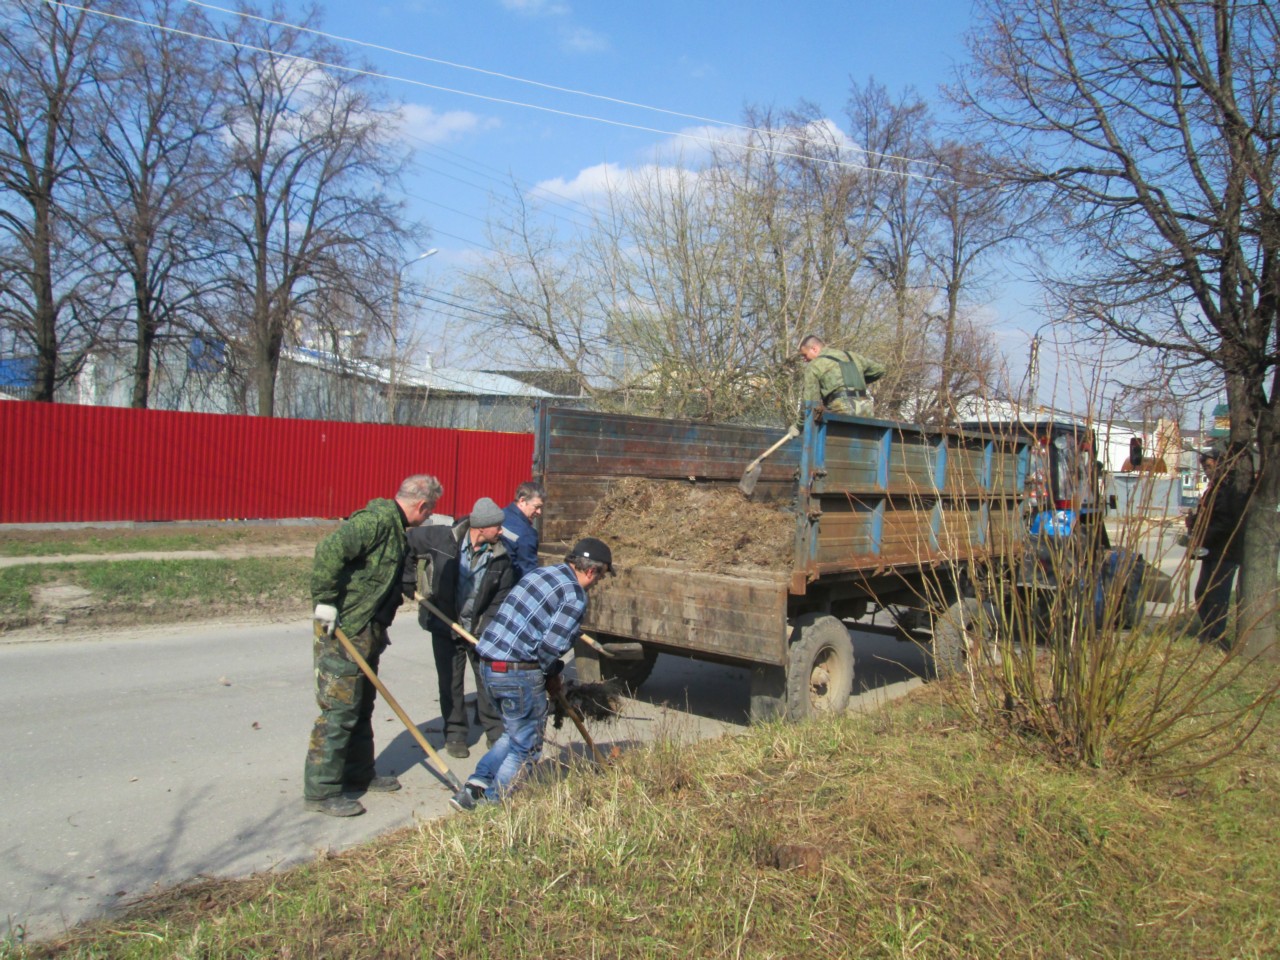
(1200, 552)
(327, 614)
(793, 432)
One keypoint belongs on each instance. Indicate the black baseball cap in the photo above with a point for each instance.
(589, 548)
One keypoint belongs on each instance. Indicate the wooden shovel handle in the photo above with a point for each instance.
(793, 432)
(381, 687)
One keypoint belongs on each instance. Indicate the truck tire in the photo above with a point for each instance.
(958, 632)
(593, 668)
(820, 667)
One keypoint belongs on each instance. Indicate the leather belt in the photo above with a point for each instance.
(502, 666)
(842, 394)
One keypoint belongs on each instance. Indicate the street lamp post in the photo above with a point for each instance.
(395, 328)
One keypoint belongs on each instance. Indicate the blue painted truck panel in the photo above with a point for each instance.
(872, 502)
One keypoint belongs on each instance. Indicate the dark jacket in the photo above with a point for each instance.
(522, 539)
(1221, 532)
(356, 567)
(434, 551)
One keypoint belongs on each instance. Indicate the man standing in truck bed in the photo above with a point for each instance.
(837, 379)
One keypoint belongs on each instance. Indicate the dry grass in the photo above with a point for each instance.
(908, 833)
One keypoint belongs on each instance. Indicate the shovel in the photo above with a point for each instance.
(750, 475)
(625, 651)
(378, 685)
(564, 704)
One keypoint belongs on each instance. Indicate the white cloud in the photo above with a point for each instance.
(537, 8)
(596, 183)
(584, 40)
(424, 123)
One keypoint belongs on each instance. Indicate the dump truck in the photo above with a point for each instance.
(876, 515)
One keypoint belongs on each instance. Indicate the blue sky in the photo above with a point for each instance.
(708, 60)
(703, 59)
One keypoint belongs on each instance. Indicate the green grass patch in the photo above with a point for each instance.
(16, 588)
(152, 591)
(909, 833)
(159, 537)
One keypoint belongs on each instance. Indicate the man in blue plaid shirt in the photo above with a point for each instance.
(520, 651)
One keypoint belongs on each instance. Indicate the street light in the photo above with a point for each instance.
(395, 287)
(395, 328)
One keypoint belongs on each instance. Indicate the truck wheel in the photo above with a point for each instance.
(593, 668)
(820, 667)
(630, 673)
(959, 632)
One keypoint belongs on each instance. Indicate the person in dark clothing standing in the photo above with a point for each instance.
(520, 650)
(517, 525)
(1217, 540)
(355, 585)
(465, 570)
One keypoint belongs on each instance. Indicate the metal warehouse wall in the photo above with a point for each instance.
(68, 463)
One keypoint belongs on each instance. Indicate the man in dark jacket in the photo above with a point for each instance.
(1217, 540)
(355, 585)
(466, 571)
(517, 525)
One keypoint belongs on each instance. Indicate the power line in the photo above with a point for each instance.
(712, 141)
(536, 83)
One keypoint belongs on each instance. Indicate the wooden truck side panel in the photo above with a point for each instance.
(868, 499)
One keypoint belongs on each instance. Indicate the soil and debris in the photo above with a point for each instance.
(707, 526)
(600, 702)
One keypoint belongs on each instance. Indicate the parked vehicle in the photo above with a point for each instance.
(884, 515)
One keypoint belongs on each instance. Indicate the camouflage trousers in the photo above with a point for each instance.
(341, 747)
(859, 407)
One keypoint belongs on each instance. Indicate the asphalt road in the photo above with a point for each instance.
(140, 759)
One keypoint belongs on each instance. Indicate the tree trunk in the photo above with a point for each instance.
(264, 377)
(144, 341)
(46, 313)
(1256, 591)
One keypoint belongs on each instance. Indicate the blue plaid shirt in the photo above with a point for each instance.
(539, 619)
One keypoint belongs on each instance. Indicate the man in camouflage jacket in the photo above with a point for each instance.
(355, 584)
(837, 379)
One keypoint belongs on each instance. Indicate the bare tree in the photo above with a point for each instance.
(1150, 126)
(896, 137)
(547, 296)
(970, 216)
(49, 59)
(311, 155)
(151, 160)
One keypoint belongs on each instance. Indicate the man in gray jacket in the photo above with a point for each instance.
(466, 571)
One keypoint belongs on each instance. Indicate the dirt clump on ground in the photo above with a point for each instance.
(709, 527)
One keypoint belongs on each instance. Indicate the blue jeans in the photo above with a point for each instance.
(520, 697)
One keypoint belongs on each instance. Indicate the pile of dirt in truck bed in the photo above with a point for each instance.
(712, 528)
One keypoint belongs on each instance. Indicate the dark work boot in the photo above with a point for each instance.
(457, 748)
(334, 807)
(376, 785)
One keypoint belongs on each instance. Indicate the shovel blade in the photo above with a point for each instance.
(626, 651)
(748, 482)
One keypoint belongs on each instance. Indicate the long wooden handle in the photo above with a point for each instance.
(576, 717)
(760, 459)
(381, 687)
(457, 627)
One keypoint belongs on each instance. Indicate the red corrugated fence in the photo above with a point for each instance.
(68, 463)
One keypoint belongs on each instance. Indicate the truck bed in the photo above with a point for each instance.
(871, 504)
